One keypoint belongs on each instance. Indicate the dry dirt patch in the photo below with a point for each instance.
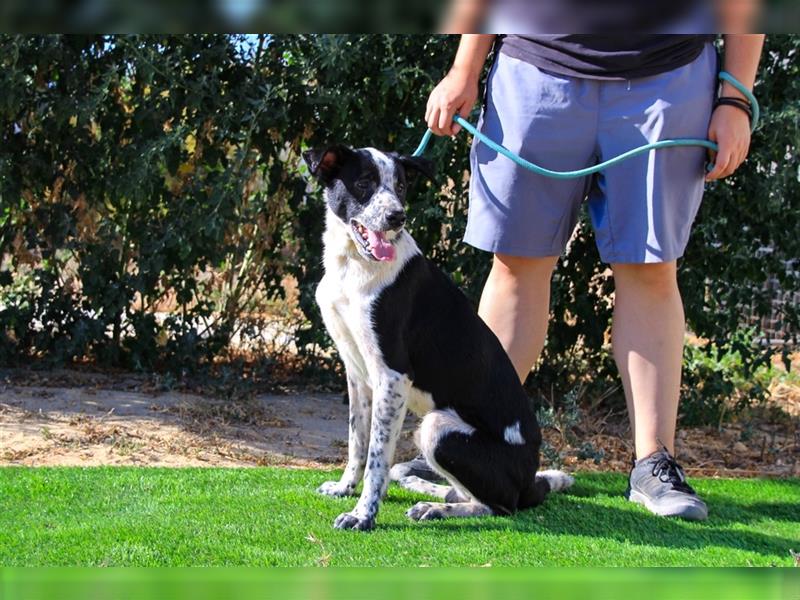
(72, 418)
(86, 426)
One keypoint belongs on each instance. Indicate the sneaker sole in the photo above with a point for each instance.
(690, 512)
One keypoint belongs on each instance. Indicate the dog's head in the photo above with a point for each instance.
(365, 189)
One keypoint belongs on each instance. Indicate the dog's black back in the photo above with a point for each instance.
(429, 330)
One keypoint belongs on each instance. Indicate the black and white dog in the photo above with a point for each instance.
(410, 339)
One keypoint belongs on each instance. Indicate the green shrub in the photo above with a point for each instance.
(724, 378)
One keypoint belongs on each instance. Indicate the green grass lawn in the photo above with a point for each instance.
(269, 516)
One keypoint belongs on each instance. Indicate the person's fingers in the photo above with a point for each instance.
(434, 100)
(445, 124)
(463, 112)
(721, 163)
(711, 160)
(728, 171)
(731, 166)
(726, 159)
(446, 120)
(731, 133)
(433, 120)
(439, 116)
(712, 154)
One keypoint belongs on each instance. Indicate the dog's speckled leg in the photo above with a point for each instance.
(388, 411)
(358, 441)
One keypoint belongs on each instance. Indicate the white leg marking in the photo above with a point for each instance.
(513, 436)
(436, 425)
(419, 485)
(426, 511)
(359, 395)
(558, 480)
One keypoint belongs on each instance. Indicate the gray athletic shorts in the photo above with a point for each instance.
(641, 210)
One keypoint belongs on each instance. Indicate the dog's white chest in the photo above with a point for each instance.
(345, 317)
(346, 295)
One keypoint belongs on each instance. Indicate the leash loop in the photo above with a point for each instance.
(724, 76)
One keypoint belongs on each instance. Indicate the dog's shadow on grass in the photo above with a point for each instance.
(592, 509)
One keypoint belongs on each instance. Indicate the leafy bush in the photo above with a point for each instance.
(141, 175)
(718, 379)
(152, 202)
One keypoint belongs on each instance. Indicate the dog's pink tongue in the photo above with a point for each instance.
(382, 249)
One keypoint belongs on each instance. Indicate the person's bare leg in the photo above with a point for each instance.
(515, 304)
(647, 337)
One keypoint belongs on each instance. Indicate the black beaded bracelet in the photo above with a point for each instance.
(739, 103)
(742, 101)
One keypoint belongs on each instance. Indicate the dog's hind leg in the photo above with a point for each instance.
(557, 481)
(493, 475)
(359, 395)
(542, 484)
(421, 486)
(426, 511)
(444, 435)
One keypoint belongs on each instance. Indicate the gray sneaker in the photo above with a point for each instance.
(658, 482)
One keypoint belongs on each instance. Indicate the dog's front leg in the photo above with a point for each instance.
(389, 403)
(359, 396)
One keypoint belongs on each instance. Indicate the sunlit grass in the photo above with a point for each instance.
(272, 516)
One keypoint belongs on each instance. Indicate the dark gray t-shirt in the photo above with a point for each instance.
(605, 56)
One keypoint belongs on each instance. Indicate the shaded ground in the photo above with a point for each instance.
(86, 419)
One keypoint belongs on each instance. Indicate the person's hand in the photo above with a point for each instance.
(730, 129)
(456, 93)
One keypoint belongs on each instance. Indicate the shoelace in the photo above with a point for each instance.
(667, 469)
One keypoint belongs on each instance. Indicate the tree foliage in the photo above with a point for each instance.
(143, 172)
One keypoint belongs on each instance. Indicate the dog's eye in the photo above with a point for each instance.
(363, 185)
(401, 187)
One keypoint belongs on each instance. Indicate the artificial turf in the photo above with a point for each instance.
(130, 516)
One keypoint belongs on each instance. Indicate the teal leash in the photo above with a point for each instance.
(724, 75)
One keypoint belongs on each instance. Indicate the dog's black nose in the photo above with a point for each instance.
(396, 219)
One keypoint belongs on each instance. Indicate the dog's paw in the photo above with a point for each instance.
(425, 511)
(336, 489)
(558, 480)
(351, 521)
(398, 472)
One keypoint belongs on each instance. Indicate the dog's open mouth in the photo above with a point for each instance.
(374, 243)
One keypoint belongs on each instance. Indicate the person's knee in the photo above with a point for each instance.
(659, 279)
(523, 267)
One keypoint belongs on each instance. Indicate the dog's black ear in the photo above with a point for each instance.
(325, 163)
(419, 164)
